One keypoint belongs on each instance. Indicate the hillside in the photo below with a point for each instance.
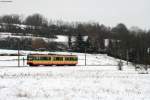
(30, 42)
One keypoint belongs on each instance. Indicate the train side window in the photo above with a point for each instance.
(61, 58)
(76, 59)
(72, 58)
(66, 59)
(56, 59)
(42, 58)
(45, 58)
(37, 58)
(34, 58)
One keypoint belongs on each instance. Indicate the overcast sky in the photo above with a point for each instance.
(107, 12)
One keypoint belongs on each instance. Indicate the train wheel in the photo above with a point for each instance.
(30, 64)
(73, 65)
(34, 65)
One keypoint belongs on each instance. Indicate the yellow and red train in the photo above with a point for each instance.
(51, 59)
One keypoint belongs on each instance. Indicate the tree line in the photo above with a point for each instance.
(128, 44)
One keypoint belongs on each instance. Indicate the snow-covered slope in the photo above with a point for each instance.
(59, 38)
(97, 82)
(91, 59)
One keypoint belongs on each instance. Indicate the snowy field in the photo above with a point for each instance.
(97, 82)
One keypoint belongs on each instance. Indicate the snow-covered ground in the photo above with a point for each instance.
(97, 82)
(91, 59)
(59, 38)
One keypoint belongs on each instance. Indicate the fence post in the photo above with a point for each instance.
(127, 56)
(18, 56)
(85, 56)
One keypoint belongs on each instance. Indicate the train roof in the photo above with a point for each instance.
(51, 55)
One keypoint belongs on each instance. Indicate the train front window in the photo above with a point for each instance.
(29, 58)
